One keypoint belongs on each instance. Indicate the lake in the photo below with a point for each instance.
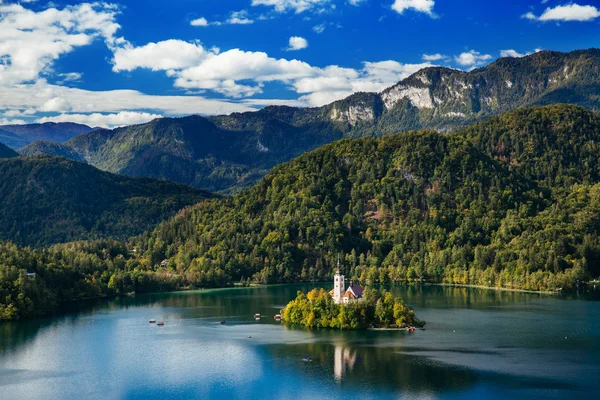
(477, 344)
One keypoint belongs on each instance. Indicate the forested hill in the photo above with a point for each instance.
(6, 152)
(40, 147)
(556, 145)
(231, 152)
(416, 204)
(45, 200)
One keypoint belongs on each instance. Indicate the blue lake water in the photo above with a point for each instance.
(477, 344)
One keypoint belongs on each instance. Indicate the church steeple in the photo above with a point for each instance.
(338, 284)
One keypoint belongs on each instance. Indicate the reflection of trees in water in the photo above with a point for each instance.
(15, 334)
(461, 297)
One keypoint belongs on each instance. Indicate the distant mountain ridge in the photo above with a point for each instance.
(227, 153)
(18, 136)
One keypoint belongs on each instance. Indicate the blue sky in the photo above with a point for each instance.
(124, 62)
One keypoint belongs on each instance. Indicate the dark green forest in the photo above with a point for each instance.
(511, 203)
(46, 200)
(6, 152)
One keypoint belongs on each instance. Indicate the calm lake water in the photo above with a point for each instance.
(477, 344)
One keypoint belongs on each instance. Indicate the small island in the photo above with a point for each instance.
(369, 309)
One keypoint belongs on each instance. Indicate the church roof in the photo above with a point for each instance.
(356, 290)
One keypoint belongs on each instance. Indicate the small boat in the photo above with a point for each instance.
(160, 323)
(256, 315)
(223, 322)
(152, 321)
(277, 317)
(306, 359)
(411, 329)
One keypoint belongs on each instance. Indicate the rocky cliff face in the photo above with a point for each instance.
(445, 99)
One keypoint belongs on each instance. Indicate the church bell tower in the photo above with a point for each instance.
(338, 284)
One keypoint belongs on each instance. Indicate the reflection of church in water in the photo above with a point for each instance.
(344, 361)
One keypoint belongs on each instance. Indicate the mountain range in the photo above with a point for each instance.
(229, 153)
(512, 202)
(18, 136)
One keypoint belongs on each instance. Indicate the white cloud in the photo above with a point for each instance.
(22, 100)
(297, 6)
(222, 72)
(434, 57)
(239, 18)
(297, 43)
(161, 56)
(424, 6)
(567, 12)
(472, 58)
(319, 28)
(516, 54)
(512, 53)
(199, 22)
(31, 41)
(239, 74)
(356, 2)
(103, 120)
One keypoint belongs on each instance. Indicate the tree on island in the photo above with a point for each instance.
(317, 309)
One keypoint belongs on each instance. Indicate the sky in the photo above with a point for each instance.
(129, 61)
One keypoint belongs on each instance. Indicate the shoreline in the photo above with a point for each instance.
(546, 292)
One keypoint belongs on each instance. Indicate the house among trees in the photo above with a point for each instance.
(164, 263)
(339, 292)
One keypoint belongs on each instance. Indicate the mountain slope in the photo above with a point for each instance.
(227, 153)
(196, 152)
(40, 147)
(45, 200)
(556, 145)
(381, 202)
(11, 140)
(49, 131)
(6, 152)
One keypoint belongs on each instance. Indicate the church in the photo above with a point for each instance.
(340, 294)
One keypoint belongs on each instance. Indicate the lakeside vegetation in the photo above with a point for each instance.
(316, 309)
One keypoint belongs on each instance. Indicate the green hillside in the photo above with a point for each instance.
(45, 200)
(40, 147)
(556, 145)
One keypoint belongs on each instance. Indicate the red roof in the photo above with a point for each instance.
(355, 290)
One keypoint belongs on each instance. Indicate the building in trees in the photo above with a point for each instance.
(339, 292)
